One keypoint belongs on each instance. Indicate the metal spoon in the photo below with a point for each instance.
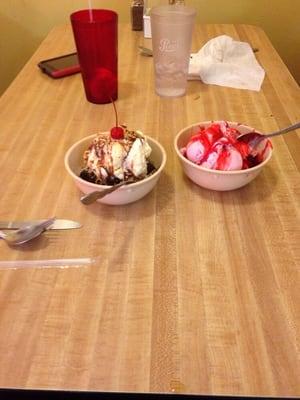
(145, 51)
(26, 232)
(258, 136)
(93, 196)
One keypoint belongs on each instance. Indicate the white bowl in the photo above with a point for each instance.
(125, 194)
(215, 179)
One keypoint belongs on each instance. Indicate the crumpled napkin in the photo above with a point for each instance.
(226, 62)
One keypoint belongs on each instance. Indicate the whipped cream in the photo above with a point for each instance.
(117, 158)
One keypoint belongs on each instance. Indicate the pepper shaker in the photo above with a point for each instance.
(137, 10)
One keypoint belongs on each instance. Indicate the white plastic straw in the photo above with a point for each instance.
(91, 10)
(59, 262)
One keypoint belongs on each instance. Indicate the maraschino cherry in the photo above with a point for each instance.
(117, 132)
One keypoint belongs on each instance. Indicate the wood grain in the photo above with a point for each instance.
(192, 290)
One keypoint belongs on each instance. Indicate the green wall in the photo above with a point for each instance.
(25, 23)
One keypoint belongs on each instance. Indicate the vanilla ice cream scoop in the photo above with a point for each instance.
(223, 157)
(136, 160)
(196, 149)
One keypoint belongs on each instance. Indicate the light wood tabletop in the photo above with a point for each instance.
(190, 290)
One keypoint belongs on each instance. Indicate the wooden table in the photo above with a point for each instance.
(191, 291)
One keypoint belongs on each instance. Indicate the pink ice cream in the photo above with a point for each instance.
(216, 147)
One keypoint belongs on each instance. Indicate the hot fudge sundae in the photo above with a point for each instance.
(116, 156)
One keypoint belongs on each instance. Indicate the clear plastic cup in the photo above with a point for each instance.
(172, 29)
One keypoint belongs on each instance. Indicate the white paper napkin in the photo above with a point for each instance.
(226, 62)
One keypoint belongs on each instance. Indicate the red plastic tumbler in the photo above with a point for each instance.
(96, 38)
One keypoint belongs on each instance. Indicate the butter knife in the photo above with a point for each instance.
(58, 224)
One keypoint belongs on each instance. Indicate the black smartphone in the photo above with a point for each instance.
(61, 66)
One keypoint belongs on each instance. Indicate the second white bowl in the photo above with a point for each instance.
(210, 178)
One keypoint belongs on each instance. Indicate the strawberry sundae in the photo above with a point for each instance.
(218, 147)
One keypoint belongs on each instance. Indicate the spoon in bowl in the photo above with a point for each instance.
(26, 232)
(245, 137)
(91, 197)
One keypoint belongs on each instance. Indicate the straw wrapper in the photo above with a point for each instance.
(50, 263)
